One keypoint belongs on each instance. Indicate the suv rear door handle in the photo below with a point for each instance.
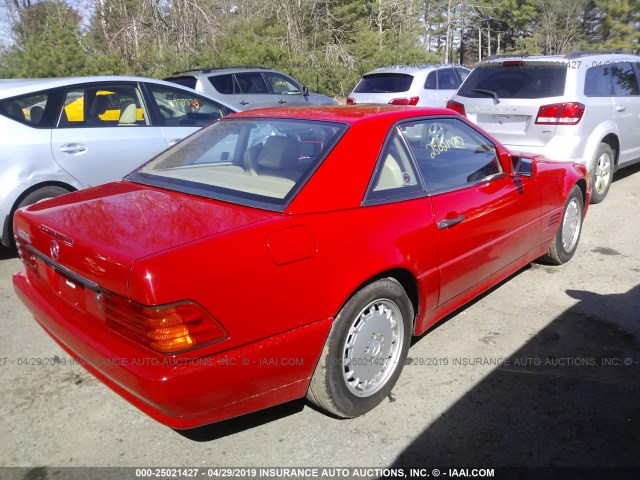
(73, 148)
(442, 224)
(620, 108)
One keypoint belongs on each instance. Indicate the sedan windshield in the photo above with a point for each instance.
(259, 162)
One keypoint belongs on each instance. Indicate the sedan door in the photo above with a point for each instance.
(485, 217)
(104, 132)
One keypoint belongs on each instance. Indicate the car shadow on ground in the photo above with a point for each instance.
(232, 426)
(626, 172)
(8, 253)
(567, 398)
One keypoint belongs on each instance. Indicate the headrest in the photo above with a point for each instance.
(36, 113)
(279, 153)
(14, 110)
(129, 114)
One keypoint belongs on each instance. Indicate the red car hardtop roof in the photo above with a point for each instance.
(343, 113)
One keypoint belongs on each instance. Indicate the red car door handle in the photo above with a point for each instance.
(450, 223)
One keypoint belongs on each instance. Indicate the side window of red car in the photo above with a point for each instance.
(450, 154)
(395, 176)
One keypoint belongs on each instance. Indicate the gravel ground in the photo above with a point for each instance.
(544, 370)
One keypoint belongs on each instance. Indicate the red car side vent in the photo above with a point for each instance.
(554, 220)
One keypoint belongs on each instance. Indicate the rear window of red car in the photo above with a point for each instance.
(259, 162)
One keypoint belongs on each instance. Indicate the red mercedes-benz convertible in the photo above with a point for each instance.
(283, 253)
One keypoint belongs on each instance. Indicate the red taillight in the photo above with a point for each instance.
(405, 101)
(514, 63)
(456, 107)
(560, 114)
(167, 329)
(351, 101)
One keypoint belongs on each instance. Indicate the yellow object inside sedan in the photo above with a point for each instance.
(114, 104)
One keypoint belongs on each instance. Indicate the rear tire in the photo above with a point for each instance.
(41, 194)
(566, 240)
(602, 173)
(36, 196)
(365, 350)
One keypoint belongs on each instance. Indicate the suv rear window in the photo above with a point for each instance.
(520, 80)
(384, 83)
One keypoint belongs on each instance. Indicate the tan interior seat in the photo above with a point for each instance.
(391, 175)
(278, 157)
(128, 115)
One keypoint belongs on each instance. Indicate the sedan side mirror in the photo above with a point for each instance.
(305, 91)
(523, 166)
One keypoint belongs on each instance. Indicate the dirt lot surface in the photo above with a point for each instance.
(542, 371)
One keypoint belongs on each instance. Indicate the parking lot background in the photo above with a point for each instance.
(543, 370)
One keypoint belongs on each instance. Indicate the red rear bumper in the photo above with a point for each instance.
(183, 393)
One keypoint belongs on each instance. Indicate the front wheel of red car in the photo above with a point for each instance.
(566, 240)
(365, 350)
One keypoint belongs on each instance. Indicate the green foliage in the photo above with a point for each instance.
(47, 43)
(326, 44)
(618, 27)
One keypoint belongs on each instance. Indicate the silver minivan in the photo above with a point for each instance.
(582, 107)
(422, 85)
(249, 87)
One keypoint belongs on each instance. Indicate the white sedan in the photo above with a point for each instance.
(64, 134)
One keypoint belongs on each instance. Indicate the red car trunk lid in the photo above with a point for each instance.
(98, 233)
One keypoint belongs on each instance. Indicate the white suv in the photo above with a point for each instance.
(422, 85)
(582, 107)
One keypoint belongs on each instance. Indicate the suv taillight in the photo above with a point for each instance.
(456, 107)
(351, 101)
(560, 114)
(405, 101)
(168, 329)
